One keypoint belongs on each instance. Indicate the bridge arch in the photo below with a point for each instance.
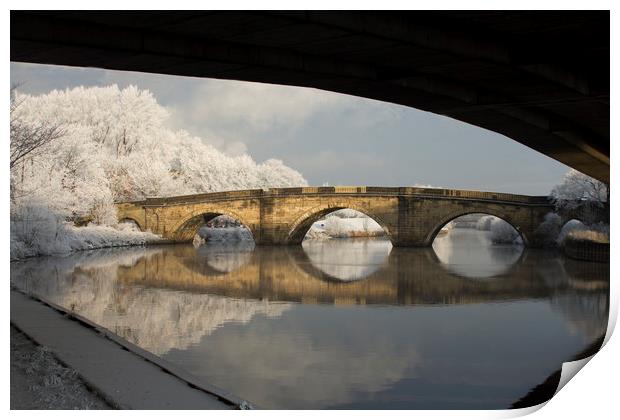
(187, 227)
(302, 223)
(444, 220)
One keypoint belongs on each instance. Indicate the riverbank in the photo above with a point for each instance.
(585, 250)
(40, 382)
(42, 238)
(117, 372)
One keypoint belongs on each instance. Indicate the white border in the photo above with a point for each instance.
(592, 394)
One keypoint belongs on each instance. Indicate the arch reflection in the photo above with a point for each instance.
(410, 276)
(356, 261)
(227, 328)
(470, 253)
(225, 257)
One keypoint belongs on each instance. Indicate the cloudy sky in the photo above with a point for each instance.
(328, 137)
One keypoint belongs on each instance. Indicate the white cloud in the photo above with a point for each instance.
(225, 113)
(256, 106)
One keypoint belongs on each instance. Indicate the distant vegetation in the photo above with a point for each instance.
(75, 152)
(589, 199)
(345, 223)
(501, 231)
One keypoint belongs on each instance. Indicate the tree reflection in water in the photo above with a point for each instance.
(348, 325)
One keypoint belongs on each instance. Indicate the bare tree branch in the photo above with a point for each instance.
(27, 138)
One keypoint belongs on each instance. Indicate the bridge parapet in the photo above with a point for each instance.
(346, 190)
(212, 196)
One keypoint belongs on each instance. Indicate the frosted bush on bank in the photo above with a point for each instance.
(501, 232)
(349, 214)
(574, 229)
(590, 198)
(39, 231)
(484, 223)
(579, 191)
(116, 146)
(222, 234)
(345, 223)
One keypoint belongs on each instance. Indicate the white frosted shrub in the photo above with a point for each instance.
(503, 233)
(35, 230)
(334, 227)
(348, 214)
(598, 232)
(339, 227)
(484, 223)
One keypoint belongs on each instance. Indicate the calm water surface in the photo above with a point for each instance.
(343, 323)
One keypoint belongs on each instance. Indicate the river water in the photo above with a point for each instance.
(343, 323)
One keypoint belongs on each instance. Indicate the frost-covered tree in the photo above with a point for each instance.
(579, 196)
(117, 142)
(484, 223)
(581, 191)
(27, 137)
(500, 231)
(115, 145)
(503, 233)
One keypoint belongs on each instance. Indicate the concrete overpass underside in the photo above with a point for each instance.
(540, 78)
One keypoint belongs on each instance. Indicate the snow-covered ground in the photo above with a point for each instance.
(40, 382)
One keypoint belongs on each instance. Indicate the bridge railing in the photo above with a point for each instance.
(347, 190)
(437, 192)
(222, 195)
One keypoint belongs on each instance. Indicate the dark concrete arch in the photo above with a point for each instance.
(538, 77)
(486, 211)
(304, 222)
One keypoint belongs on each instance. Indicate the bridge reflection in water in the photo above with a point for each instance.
(343, 323)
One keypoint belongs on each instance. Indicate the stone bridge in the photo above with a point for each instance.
(410, 216)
